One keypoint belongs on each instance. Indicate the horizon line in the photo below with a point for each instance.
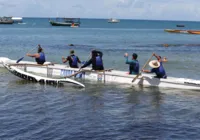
(109, 18)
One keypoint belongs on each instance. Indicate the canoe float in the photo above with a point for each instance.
(112, 76)
(35, 78)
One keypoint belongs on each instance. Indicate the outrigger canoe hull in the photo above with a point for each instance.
(35, 78)
(113, 76)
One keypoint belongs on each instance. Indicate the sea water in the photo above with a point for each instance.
(100, 111)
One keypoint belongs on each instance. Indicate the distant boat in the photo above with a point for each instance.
(65, 22)
(17, 19)
(178, 25)
(176, 31)
(6, 20)
(183, 31)
(111, 20)
(194, 32)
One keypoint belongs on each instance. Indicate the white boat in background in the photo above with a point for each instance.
(111, 20)
(113, 76)
(17, 19)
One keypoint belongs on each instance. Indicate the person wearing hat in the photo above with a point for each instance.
(157, 67)
(96, 60)
(133, 64)
(73, 60)
(39, 56)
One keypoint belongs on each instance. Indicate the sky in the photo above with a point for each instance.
(187, 10)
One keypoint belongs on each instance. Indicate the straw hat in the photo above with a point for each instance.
(154, 64)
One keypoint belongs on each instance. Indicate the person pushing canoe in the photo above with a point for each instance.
(96, 60)
(157, 67)
(73, 60)
(133, 64)
(39, 56)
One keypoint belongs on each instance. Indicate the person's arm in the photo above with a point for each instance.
(64, 60)
(78, 60)
(36, 55)
(87, 63)
(128, 61)
(147, 71)
(157, 57)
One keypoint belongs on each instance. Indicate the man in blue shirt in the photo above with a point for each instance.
(96, 61)
(133, 64)
(157, 67)
(39, 57)
(73, 59)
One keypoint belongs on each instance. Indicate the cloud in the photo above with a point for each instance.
(132, 9)
(125, 3)
(7, 5)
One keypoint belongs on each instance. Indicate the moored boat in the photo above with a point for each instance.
(182, 31)
(113, 76)
(6, 20)
(180, 25)
(176, 31)
(65, 22)
(193, 32)
(111, 20)
(41, 79)
(17, 19)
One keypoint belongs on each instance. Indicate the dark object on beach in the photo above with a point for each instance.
(71, 44)
(6, 20)
(180, 25)
(65, 22)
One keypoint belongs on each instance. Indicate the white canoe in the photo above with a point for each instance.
(35, 78)
(113, 76)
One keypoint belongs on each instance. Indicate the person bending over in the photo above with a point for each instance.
(157, 67)
(96, 60)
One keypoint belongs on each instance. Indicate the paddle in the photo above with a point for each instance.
(23, 64)
(24, 56)
(142, 69)
(79, 71)
(84, 62)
